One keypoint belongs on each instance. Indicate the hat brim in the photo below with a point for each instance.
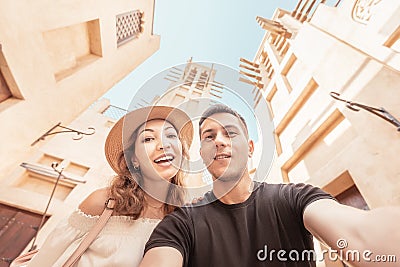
(124, 128)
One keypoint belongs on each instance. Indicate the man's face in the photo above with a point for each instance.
(224, 146)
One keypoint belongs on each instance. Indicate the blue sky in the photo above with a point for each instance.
(220, 31)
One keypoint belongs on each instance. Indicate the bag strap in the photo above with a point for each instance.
(89, 238)
(54, 166)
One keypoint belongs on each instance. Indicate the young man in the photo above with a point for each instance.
(245, 223)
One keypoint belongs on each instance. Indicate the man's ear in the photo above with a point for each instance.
(201, 154)
(251, 148)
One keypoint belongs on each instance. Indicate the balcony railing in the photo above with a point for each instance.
(114, 112)
(305, 9)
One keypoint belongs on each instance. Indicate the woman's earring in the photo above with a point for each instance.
(136, 168)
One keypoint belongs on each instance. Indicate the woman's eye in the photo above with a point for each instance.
(148, 139)
(172, 136)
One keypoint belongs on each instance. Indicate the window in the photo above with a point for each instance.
(202, 80)
(40, 177)
(73, 47)
(393, 41)
(114, 112)
(8, 87)
(4, 90)
(129, 26)
(192, 74)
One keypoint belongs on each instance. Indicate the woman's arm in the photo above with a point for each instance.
(94, 203)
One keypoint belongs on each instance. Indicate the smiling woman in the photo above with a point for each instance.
(147, 148)
(156, 157)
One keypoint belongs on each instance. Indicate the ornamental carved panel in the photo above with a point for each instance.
(363, 10)
(129, 26)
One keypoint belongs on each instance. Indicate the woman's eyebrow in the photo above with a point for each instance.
(146, 130)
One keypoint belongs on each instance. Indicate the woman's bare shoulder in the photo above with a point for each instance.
(94, 203)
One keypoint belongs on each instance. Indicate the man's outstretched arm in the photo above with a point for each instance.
(162, 257)
(356, 231)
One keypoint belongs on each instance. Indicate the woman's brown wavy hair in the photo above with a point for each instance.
(126, 187)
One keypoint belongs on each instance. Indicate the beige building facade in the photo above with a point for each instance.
(352, 49)
(193, 87)
(56, 59)
(349, 50)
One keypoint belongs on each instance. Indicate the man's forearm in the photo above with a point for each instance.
(360, 237)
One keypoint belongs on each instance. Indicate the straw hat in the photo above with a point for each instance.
(119, 135)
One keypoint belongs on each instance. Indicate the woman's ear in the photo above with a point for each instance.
(134, 160)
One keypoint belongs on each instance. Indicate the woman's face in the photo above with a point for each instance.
(158, 150)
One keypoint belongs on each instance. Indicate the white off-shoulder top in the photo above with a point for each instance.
(120, 243)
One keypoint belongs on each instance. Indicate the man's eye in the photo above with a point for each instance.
(148, 139)
(172, 136)
(208, 137)
(232, 134)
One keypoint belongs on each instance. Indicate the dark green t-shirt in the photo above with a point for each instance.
(265, 230)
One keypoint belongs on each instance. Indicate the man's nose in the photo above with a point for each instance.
(221, 139)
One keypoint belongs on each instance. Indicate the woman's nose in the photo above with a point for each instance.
(162, 144)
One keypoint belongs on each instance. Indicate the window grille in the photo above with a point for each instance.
(129, 26)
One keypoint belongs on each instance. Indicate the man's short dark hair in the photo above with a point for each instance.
(220, 108)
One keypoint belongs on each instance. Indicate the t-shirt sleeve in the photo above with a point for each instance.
(175, 230)
(299, 196)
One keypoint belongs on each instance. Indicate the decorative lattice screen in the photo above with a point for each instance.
(129, 26)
